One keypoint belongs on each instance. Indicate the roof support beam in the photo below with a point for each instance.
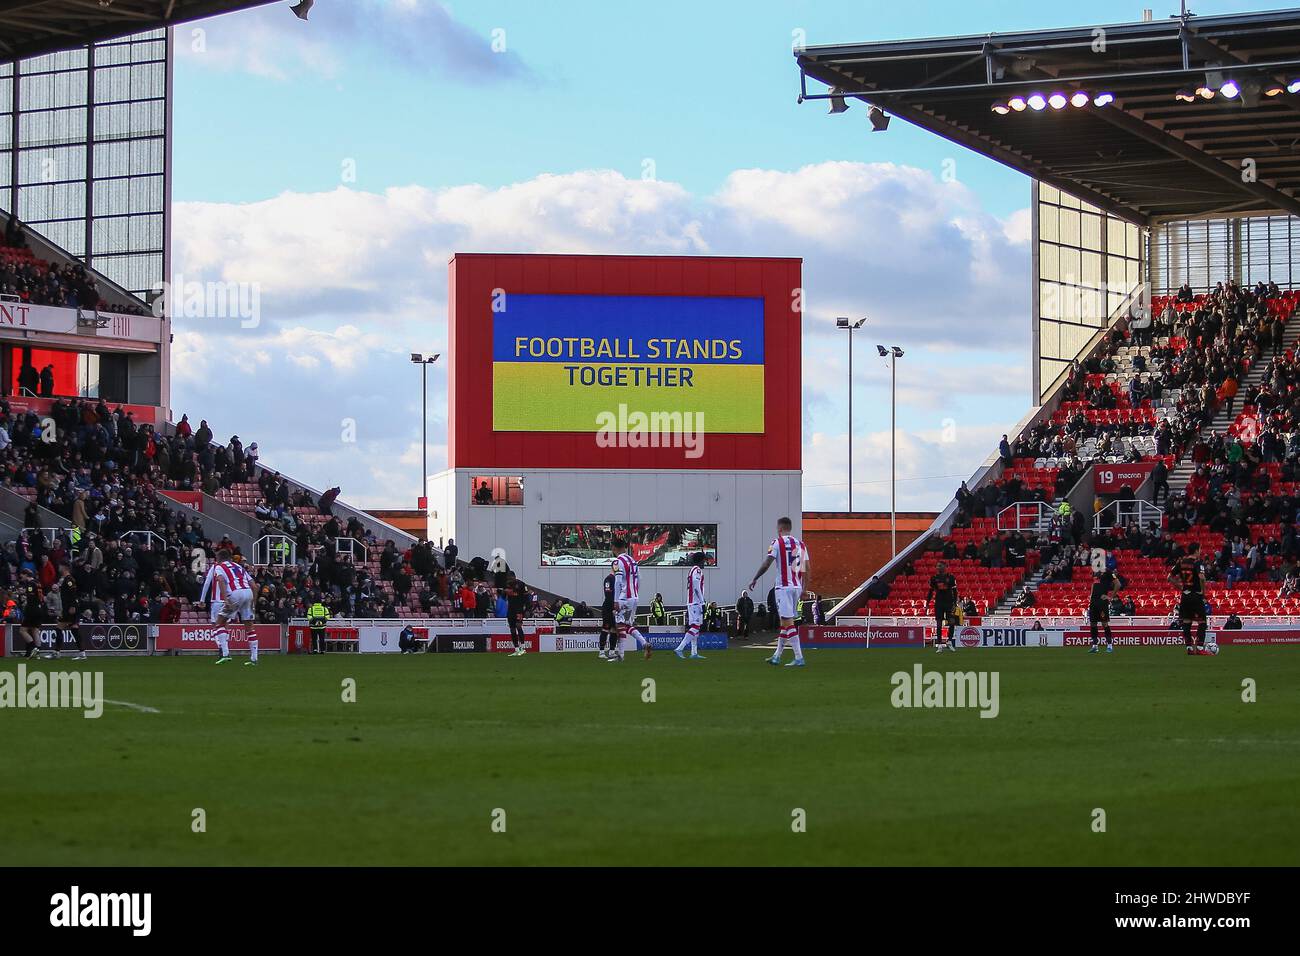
(1153, 132)
(1217, 167)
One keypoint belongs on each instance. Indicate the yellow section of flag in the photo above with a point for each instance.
(555, 397)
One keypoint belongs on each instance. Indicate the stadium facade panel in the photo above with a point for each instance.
(655, 395)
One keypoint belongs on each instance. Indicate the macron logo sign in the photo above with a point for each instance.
(75, 910)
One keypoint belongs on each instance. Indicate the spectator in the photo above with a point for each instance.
(744, 613)
(406, 641)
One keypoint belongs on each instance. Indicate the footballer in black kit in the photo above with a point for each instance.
(1104, 587)
(943, 592)
(1189, 575)
(517, 601)
(33, 605)
(608, 626)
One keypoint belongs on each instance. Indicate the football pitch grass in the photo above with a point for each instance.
(715, 771)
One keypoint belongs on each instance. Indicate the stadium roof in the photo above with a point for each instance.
(1146, 156)
(33, 27)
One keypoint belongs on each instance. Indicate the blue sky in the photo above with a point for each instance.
(337, 163)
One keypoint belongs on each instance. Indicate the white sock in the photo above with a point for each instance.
(252, 650)
(693, 634)
(639, 638)
(223, 642)
(794, 643)
(780, 644)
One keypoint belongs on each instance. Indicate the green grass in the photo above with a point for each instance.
(708, 774)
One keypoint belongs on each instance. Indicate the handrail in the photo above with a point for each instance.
(148, 536)
(267, 544)
(1135, 509)
(350, 551)
(1039, 513)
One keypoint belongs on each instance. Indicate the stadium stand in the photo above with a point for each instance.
(1166, 393)
(26, 278)
(132, 557)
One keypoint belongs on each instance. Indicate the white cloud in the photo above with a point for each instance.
(350, 282)
(930, 466)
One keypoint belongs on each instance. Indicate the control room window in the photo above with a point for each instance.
(497, 490)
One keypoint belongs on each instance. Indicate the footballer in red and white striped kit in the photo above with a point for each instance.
(791, 558)
(232, 599)
(627, 589)
(694, 610)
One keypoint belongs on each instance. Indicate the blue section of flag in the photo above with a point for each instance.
(628, 323)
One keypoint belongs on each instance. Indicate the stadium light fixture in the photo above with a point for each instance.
(1079, 99)
(1205, 92)
(1103, 99)
(838, 103)
(424, 363)
(1273, 88)
(1002, 109)
(1293, 86)
(1057, 101)
(302, 8)
(1185, 96)
(1017, 103)
(1230, 89)
(843, 322)
(879, 120)
(1037, 102)
(893, 354)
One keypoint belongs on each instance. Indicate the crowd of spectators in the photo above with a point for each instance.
(37, 282)
(1246, 486)
(100, 473)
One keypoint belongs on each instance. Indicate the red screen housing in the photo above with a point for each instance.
(474, 278)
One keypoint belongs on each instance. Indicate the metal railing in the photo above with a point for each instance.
(275, 551)
(353, 548)
(146, 537)
(1026, 516)
(677, 617)
(344, 548)
(1122, 513)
